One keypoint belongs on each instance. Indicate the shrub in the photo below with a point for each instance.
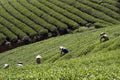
(76, 11)
(7, 32)
(100, 25)
(89, 25)
(11, 27)
(20, 16)
(111, 2)
(81, 29)
(8, 43)
(64, 12)
(71, 24)
(2, 38)
(26, 39)
(101, 8)
(18, 24)
(43, 15)
(32, 16)
(112, 7)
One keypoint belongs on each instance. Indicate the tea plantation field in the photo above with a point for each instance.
(28, 21)
(88, 59)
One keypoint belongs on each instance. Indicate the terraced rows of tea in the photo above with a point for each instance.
(28, 21)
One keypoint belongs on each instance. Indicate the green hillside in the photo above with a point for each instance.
(88, 58)
(75, 24)
(28, 21)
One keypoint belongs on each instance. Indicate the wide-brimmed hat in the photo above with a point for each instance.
(38, 56)
(6, 64)
(61, 47)
(102, 33)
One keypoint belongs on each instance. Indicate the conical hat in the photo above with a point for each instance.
(102, 32)
(61, 47)
(38, 56)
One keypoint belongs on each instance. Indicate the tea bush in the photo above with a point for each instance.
(64, 12)
(92, 11)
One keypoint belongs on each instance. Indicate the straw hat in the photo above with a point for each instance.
(102, 33)
(61, 47)
(38, 56)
